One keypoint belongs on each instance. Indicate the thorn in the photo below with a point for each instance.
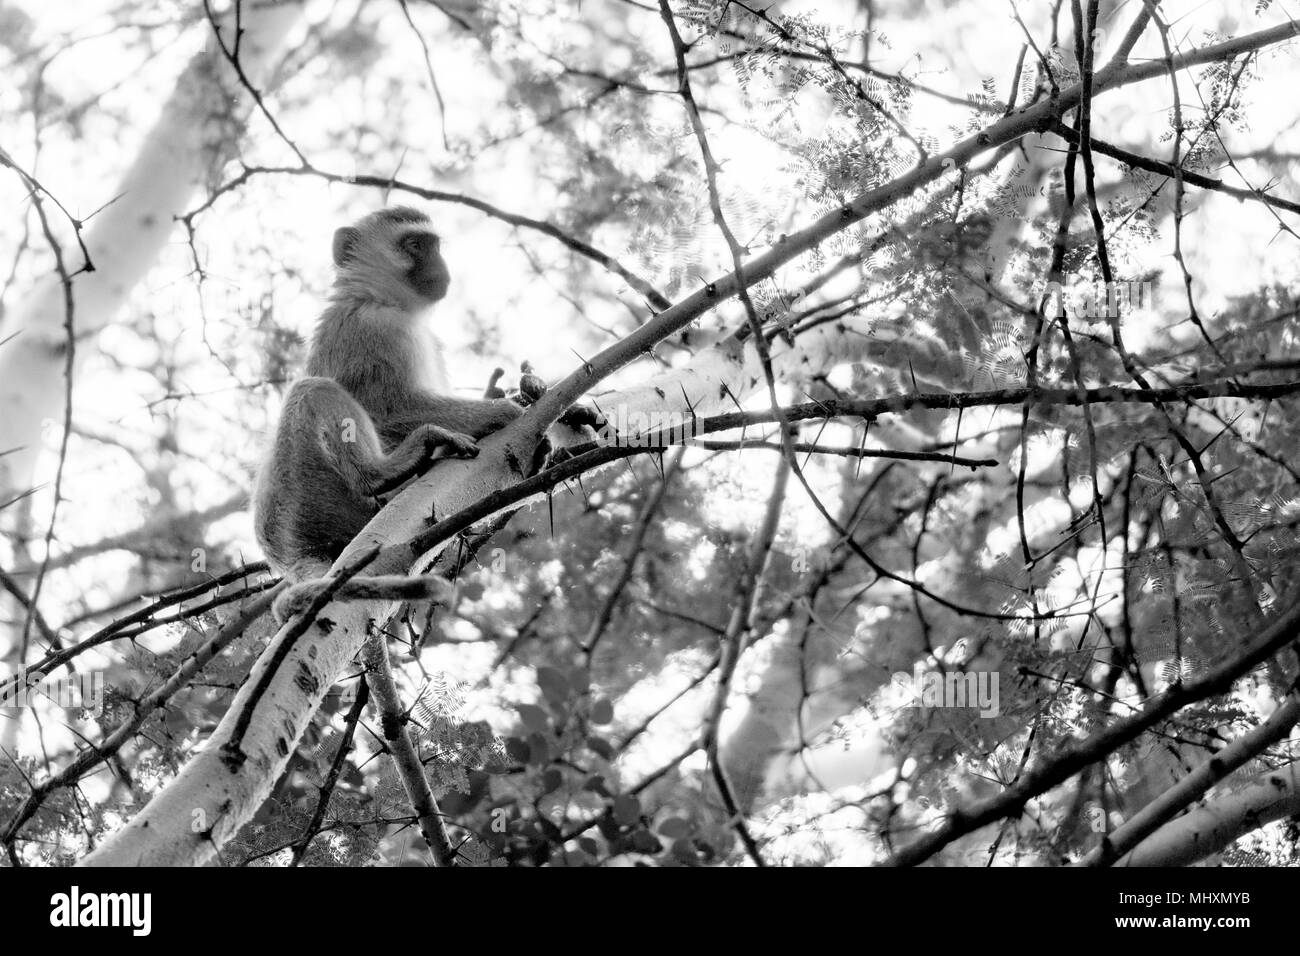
(636, 478)
(956, 440)
(816, 401)
(710, 288)
(586, 365)
(808, 457)
(690, 407)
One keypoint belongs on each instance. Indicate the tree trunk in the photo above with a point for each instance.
(190, 142)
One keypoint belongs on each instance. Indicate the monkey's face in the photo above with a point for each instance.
(427, 273)
(392, 256)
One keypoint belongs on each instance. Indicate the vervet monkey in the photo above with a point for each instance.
(371, 411)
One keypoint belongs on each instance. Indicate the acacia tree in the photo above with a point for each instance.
(936, 281)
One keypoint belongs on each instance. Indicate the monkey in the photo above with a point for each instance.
(371, 411)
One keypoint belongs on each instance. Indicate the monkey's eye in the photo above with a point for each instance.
(418, 244)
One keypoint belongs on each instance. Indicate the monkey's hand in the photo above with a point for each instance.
(493, 390)
(579, 416)
(532, 388)
(457, 444)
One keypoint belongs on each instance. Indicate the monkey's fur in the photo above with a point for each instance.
(371, 412)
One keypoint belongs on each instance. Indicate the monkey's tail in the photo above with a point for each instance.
(297, 598)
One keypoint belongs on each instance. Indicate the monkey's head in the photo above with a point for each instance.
(392, 255)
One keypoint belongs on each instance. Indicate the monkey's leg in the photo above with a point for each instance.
(326, 469)
(311, 497)
(475, 417)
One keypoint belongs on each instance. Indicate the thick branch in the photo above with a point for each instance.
(1210, 828)
(392, 719)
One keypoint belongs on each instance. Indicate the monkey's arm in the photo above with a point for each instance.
(475, 417)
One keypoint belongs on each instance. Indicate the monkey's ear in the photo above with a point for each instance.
(344, 240)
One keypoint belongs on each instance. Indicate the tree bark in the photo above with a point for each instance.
(1211, 827)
